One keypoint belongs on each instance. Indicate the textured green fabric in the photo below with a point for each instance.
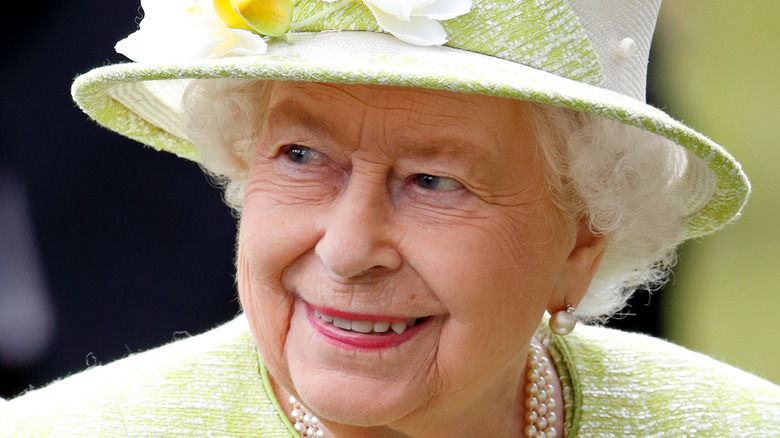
(562, 49)
(209, 385)
(528, 50)
(622, 385)
(629, 385)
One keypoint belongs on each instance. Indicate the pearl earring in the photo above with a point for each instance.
(562, 322)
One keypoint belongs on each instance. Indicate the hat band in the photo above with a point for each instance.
(545, 35)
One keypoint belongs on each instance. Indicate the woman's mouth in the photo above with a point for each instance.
(398, 327)
(363, 332)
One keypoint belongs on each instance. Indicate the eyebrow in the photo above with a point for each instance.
(443, 146)
(291, 110)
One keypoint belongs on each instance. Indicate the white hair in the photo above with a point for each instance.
(626, 182)
(623, 180)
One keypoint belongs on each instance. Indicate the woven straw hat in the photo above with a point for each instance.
(579, 54)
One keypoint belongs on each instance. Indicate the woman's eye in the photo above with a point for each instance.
(303, 155)
(433, 182)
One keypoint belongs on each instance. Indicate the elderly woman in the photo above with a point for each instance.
(427, 191)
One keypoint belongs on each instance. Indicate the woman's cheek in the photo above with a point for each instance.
(279, 183)
(267, 305)
(436, 209)
(281, 192)
(268, 314)
(282, 202)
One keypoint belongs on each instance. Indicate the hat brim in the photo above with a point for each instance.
(143, 101)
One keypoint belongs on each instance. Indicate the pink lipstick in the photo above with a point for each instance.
(362, 331)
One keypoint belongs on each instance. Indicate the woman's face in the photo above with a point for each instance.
(422, 214)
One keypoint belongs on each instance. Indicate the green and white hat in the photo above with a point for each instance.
(579, 54)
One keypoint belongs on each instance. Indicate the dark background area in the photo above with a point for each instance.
(133, 247)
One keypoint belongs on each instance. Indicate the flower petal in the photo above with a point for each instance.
(268, 17)
(444, 9)
(401, 9)
(182, 30)
(239, 42)
(420, 31)
(148, 46)
(174, 32)
(225, 12)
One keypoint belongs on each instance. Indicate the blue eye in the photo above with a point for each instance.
(302, 154)
(433, 182)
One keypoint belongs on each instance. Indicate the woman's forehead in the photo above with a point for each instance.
(396, 98)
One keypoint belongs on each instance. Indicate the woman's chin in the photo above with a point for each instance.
(358, 403)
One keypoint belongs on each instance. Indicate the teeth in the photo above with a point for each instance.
(326, 318)
(381, 326)
(398, 327)
(342, 323)
(362, 326)
(366, 326)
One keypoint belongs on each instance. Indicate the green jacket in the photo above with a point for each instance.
(214, 384)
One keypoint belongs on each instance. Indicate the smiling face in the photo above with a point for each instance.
(397, 250)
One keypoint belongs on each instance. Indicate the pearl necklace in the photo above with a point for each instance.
(540, 403)
(306, 424)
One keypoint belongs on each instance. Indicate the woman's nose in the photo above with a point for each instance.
(359, 236)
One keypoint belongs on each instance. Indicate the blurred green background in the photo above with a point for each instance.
(717, 68)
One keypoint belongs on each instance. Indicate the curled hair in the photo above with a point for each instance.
(627, 183)
(223, 122)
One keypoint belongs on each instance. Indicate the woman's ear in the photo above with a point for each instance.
(581, 265)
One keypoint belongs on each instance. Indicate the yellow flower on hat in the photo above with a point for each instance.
(231, 18)
(175, 30)
(266, 17)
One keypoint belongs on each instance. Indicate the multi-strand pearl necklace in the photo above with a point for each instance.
(540, 403)
(306, 424)
(540, 415)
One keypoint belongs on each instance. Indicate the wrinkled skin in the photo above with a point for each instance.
(406, 203)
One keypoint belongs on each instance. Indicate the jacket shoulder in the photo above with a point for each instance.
(627, 384)
(203, 385)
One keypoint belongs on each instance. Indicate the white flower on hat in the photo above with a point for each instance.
(176, 30)
(416, 21)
